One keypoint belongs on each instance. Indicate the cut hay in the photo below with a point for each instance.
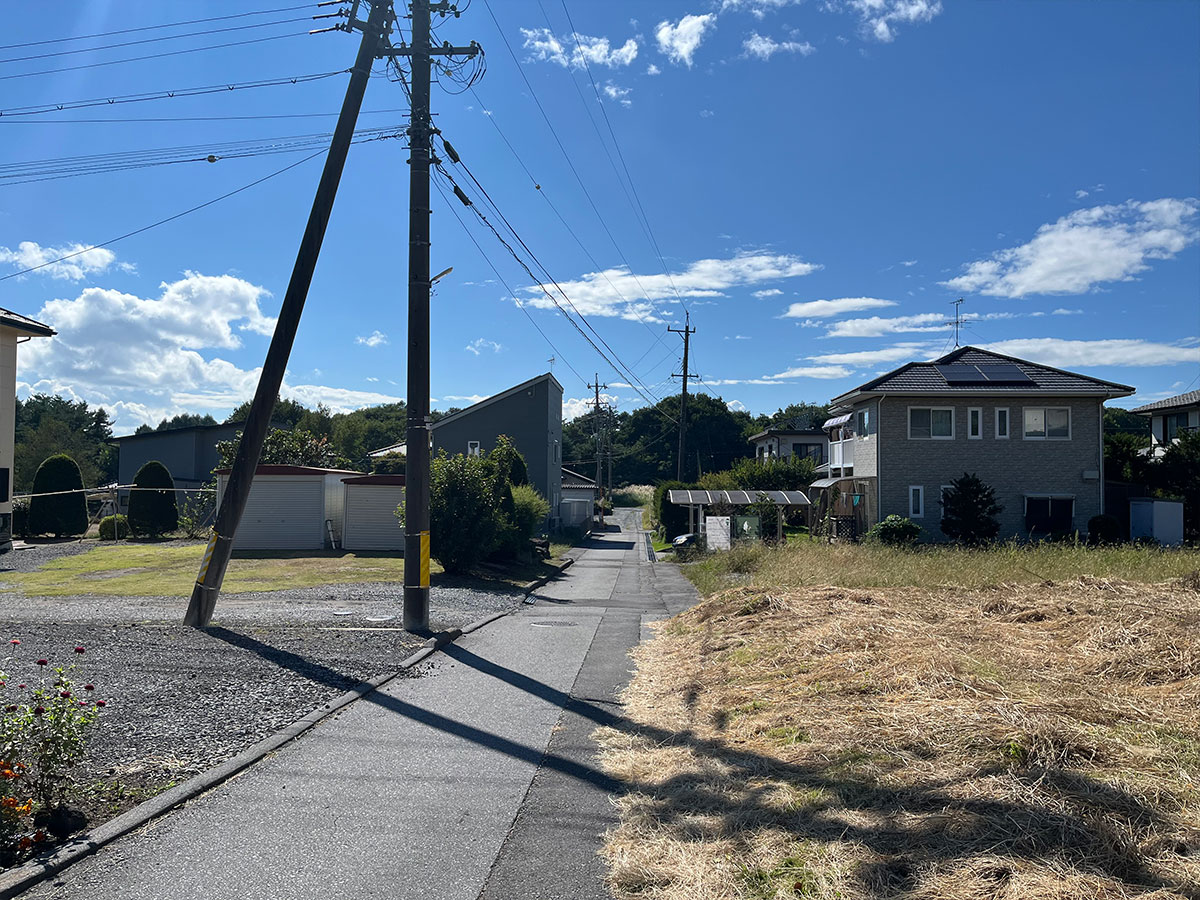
(1023, 741)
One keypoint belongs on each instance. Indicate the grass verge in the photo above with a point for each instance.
(1025, 741)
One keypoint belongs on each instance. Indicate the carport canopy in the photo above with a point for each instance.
(737, 498)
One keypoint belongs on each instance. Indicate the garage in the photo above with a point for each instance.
(370, 521)
(290, 508)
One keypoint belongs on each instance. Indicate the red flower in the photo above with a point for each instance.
(20, 685)
(24, 843)
(12, 708)
(89, 687)
(65, 694)
(83, 703)
(101, 703)
(39, 835)
(78, 649)
(43, 662)
(14, 642)
(38, 710)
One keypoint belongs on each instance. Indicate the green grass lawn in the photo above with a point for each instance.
(804, 563)
(163, 570)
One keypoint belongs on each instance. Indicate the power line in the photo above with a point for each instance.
(168, 94)
(13, 120)
(88, 37)
(178, 215)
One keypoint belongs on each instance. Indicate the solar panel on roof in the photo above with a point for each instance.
(962, 374)
(1006, 373)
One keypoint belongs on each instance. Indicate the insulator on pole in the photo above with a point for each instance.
(450, 151)
(466, 201)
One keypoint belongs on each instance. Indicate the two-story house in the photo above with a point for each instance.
(784, 443)
(1031, 432)
(1170, 418)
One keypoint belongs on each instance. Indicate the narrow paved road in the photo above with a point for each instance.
(476, 780)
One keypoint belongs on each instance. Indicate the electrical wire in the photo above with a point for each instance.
(12, 120)
(168, 94)
(178, 215)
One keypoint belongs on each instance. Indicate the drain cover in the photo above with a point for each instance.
(553, 623)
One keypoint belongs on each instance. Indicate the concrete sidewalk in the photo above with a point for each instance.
(477, 779)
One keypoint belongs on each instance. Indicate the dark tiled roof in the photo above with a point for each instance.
(575, 481)
(924, 377)
(1191, 398)
(24, 323)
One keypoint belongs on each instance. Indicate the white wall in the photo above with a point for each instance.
(370, 517)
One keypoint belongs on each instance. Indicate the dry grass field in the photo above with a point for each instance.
(1023, 741)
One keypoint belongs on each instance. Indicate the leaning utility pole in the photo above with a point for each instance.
(597, 433)
(417, 466)
(687, 331)
(237, 490)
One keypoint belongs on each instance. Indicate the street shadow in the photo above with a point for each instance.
(908, 828)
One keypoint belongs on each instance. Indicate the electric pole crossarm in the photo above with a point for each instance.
(237, 490)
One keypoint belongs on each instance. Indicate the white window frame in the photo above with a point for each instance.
(473, 448)
(932, 436)
(1007, 424)
(863, 416)
(1045, 437)
(975, 410)
(919, 511)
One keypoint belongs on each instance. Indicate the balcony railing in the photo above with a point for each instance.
(841, 454)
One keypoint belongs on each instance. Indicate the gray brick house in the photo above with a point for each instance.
(1171, 418)
(1031, 432)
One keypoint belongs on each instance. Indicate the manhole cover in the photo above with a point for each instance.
(553, 623)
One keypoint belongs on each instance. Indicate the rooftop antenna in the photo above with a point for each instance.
(957, 320)
(551, 361)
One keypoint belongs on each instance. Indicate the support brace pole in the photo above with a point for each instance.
(237, 490)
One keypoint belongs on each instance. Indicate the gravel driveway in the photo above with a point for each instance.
(181, 700)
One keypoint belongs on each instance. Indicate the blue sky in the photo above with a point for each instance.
(813, 182)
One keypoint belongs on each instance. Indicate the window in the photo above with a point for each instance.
(863, 423)
(815, 452)
(975, 423)
(1047, 515)
(931, 423)
(472, 448)
(1173, 425)
(557, 459)
(1002, 423)
(916, 502)
(1047, 423)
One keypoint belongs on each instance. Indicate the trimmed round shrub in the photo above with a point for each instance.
(60, 514)
(1104, 529)
(153, 512)
(895, 531)
(114, 528)
(20, 518)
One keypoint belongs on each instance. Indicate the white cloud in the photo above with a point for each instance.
(706, 114)
(618, 292)
(769, 292)
(757, 8)
(678, 42)
(1080, 194)
(618, 93)
(878, 18)
(574, 407)
(823, 309)
(469, 399)
(908, 262)
(875, 326)
(1063, 353)
(91, 261)
(903, 352)
(1085, 249)
(765, 47)
(652, 69)
(1067, 312)
(735, 405)
(815, 372)
(140, 358)
(478, 345)
(576, 50)
(374, 339)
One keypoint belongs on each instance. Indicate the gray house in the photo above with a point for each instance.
(784, 443)
(1031, 432)
(530, 413)
(1170, 418)
(190, 454)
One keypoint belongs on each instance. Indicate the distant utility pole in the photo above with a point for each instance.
(417, 466)
(598, 431)
(237, 490)
(687, 331)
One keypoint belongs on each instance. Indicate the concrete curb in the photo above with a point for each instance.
(544, 579)
(16, 881)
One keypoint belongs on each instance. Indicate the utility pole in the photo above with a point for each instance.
(597, 431)
(417, 466)
(687, 331)
(237, 490)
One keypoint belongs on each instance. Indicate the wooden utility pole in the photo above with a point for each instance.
(597, 433)
(417, 465)
(241, 476)
(687, 331)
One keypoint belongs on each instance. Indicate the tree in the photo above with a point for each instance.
(1122, 421)
(152, 509)
(464, 514)
(389, 464)
(184, 420)
(287, 448)
(1177, 474)
(649, 440)
(969, 511)
(46, 425)
(1123, 457)
(510, 464)
(793, 473)
(60, 513)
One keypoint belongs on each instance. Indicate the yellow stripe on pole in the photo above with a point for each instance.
(424, 559)
(208, 555)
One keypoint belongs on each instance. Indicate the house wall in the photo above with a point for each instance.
(866, 447)
(190, 454)
(1013, 467)
(532, 418)
(8, 418)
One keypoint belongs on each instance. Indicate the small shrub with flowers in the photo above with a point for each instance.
(43, 733)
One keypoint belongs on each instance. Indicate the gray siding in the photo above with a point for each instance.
(866, 448)
(190, 454)
(532, 418)
(1013, 467)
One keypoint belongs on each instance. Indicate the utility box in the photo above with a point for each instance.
(1160, 520)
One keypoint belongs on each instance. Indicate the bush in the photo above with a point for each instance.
(509, 463)
(152, 511)
(794, 473)
(196, 511)
(672, 519)
(529, 510)
(894, 531)
(114, 528)
(63, 514)
(389, 464)
(1104, 529)
(969, 511)
(464, 511)
(20, 518)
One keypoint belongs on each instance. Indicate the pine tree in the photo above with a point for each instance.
(969, 511)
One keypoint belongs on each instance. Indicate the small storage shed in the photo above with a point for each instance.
(1160, 520)
(370, 521)
(290, 508)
